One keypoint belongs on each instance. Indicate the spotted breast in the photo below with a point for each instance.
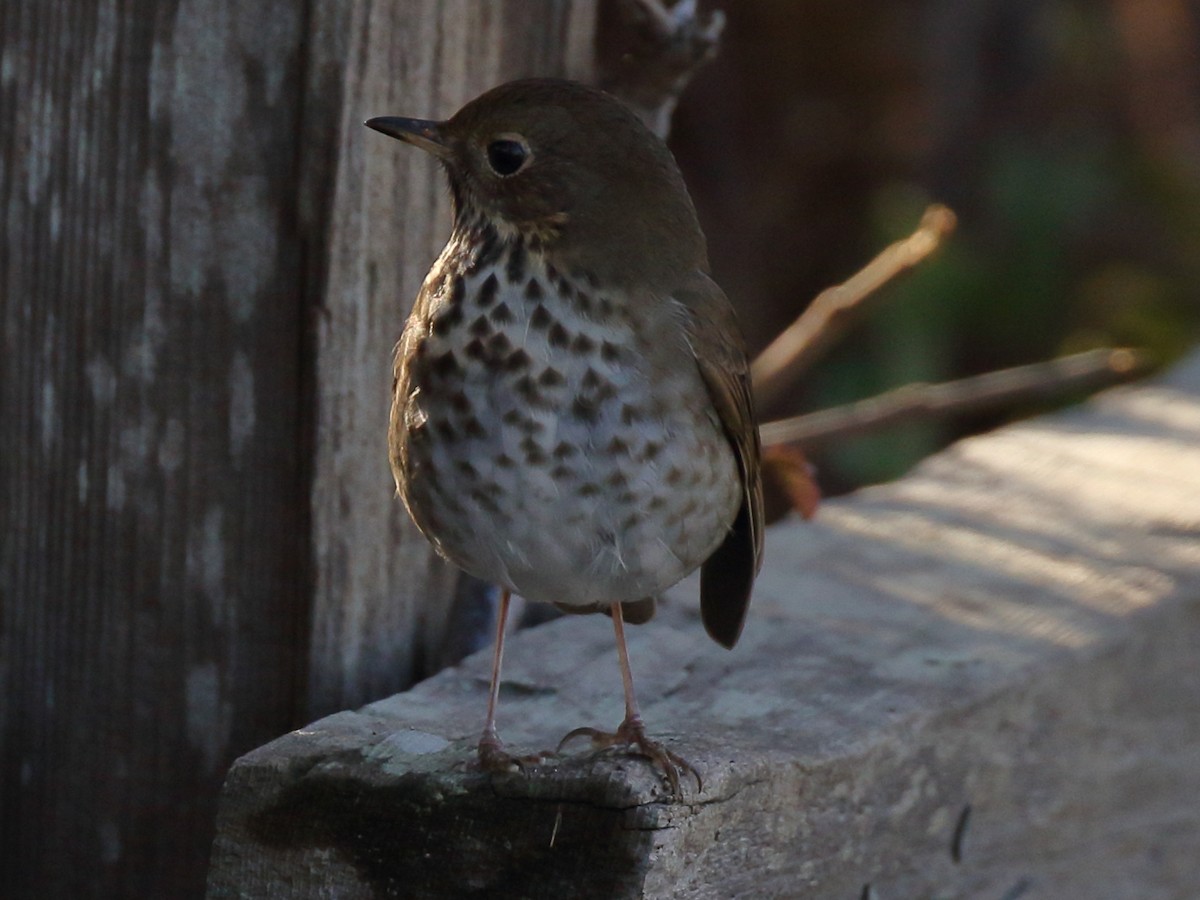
(541, 434)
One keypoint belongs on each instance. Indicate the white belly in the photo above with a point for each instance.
(574, 472)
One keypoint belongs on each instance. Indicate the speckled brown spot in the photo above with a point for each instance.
(487, 250)
(465, 467)
(563, 450)
(558, 335)
(588, 489)
(551, 378)
(486, 501)
(630, 414)
(445, 364)
(514, 270)
(474, 427)
(480, 327)
(501, 315)
(504, 461)
(447, 318)
(591, 380)
(533, 289)
(487, 292)
(609, 352)
(517, 361)
(474, 350)
(583, 344)
(528, 389)
(499, 346)
(561, 471)
(540, 318)
(617, 446)
(585, 409)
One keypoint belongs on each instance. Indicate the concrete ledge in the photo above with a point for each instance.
(1011, 630)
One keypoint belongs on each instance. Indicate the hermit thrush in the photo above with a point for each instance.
(571, 413)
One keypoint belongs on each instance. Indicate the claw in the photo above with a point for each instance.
(632, 733)
(494, 758)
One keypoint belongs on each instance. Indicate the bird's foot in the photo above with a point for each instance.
(494, 758)
(632, 733)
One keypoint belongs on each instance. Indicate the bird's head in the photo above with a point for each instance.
(571, 169)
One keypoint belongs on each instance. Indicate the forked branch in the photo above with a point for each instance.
(838, 307)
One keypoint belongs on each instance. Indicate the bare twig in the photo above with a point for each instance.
(835, 308)
(918, 402)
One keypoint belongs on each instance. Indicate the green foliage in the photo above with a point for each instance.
(1074, 244)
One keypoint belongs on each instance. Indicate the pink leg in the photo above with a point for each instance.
(632, 713)
(491, 749)
(632, 731)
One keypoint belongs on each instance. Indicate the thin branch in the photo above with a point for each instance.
(836, 308)
(920, 402)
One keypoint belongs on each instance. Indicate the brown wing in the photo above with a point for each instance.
(727, 577)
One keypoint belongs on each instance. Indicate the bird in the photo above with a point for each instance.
(572, 417)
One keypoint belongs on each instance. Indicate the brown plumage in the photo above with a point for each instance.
(572, 416)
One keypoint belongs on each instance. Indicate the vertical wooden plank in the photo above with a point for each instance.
(190, 216)
(381, 596)
(153, 521)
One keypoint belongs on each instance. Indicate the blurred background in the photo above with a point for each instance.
(1064, 133)
(204, 265)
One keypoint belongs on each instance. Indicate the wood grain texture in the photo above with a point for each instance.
(381, 596)
(149, 296)
(202, 270)
(1012, 627)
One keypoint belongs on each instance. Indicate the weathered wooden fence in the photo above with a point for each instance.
(204, 263)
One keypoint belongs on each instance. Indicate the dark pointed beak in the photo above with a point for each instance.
(418, 132)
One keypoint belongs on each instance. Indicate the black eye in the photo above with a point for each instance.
(506, 156)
